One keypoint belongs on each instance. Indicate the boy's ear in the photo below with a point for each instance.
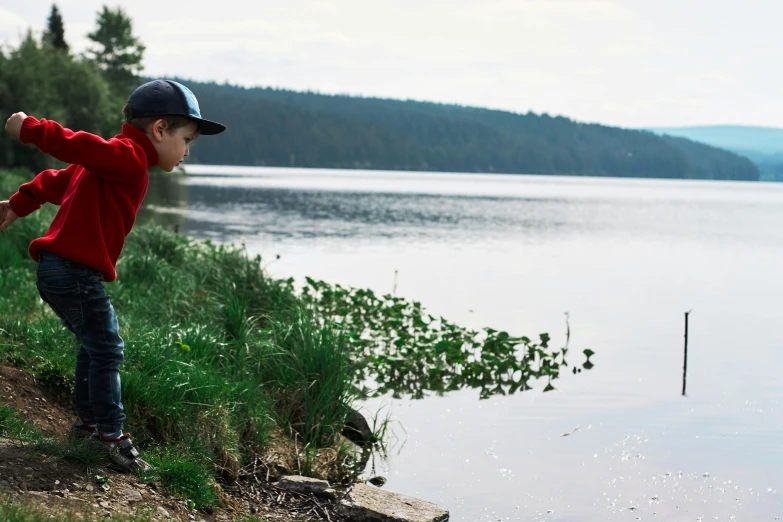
(157, 128)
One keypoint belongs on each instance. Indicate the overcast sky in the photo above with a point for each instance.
(631, 63)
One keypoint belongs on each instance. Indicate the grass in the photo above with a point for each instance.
(184, 474)
(78, 451)
(217, 354)
(13, 425)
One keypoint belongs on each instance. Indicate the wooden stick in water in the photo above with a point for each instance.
(685, 358)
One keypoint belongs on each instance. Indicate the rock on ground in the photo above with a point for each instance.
(304, 485)
(369, 504)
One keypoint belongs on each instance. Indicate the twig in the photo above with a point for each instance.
(685, 358)
(325, 512)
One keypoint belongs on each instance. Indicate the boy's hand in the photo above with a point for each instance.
(7, 215)
(13, 126)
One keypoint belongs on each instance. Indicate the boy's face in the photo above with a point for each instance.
(172, 145)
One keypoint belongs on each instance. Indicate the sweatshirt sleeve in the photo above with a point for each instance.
(113, 160)
(47, 187)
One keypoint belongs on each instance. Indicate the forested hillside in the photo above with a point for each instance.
(286, 128)
(42, 77)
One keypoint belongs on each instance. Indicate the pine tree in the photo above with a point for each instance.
(117, 52)
(56, 30)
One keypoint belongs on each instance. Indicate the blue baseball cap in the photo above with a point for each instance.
(169, 98)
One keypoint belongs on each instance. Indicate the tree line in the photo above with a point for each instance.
(277, 127)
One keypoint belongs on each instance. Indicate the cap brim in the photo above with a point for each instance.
(209, 128)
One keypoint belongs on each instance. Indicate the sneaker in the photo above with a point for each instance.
(81, 432)
(121, 452)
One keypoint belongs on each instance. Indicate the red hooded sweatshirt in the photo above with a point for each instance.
(99, 194)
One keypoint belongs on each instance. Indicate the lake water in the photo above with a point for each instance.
(624, 258)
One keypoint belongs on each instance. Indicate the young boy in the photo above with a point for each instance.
(99, 195)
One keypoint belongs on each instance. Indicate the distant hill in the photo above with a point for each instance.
(762, 145)
(303, 129)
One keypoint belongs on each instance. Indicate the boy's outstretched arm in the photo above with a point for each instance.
(113, 159)
(7, 215)
(48, 186)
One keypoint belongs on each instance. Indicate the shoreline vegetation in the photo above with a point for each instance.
(225, 364)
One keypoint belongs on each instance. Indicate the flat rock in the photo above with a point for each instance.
(304, 485)
(369, 504)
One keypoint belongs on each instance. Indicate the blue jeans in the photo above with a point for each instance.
(75, 293)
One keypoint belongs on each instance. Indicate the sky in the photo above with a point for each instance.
(628, 63)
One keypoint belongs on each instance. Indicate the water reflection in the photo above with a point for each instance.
(519, 209)
(225, 211)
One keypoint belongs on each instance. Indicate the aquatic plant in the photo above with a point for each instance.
(397, 347)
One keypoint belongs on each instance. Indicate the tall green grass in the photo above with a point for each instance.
(186, 474)
(308, 369)
(217, 354)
